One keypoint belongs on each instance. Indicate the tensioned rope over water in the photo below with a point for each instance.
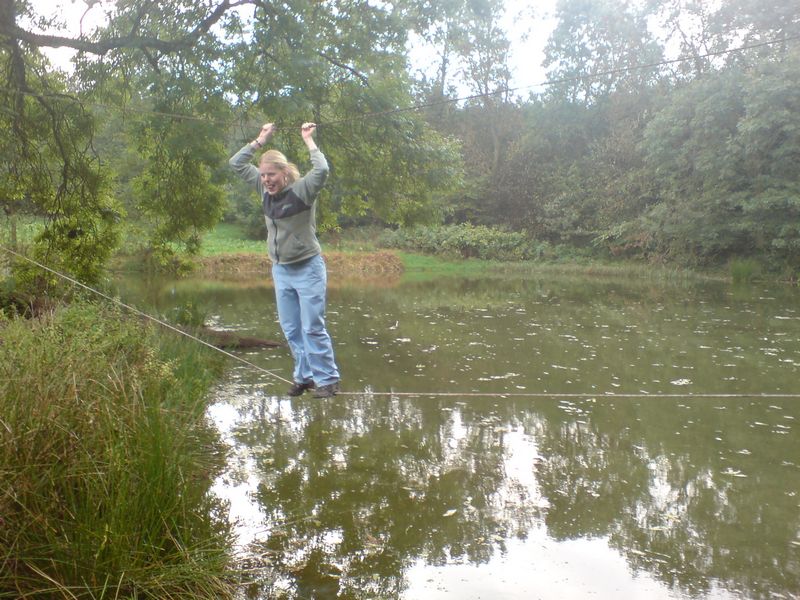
(571, 395)
(143, 314)
(433, 394)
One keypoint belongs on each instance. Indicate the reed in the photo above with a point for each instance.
(744, 270)
(106, 460)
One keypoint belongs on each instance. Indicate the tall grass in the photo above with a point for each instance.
(106, 460)
(744, 270)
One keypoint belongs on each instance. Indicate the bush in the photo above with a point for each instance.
(465, 241)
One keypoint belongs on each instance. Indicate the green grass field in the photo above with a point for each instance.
(227, 238)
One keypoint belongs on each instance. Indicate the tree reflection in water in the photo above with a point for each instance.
(355, 490)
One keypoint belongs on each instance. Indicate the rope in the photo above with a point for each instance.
(473, 394)
(431, 104)
(608, 395)
(576, 78)
(416, 107)
(144, 314)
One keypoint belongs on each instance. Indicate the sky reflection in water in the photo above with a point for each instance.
(376, 496)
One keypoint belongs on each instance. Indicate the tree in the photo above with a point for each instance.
(484, 49)
(542, 185)
(703, 31)
(473, 47)
(343, 66)
(53, 168)
(176, 120)
(197, 18)
(750, 22)
(689, 23)
(598, 47)
(180, 70)
(723, 153)
(768, 136)
(50, 168)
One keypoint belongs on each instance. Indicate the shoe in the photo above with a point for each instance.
(297, 389)
(326, 391)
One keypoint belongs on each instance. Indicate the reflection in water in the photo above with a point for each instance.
(375, 496)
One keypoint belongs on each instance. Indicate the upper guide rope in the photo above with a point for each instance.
(398, 110)
(422, 105)
(142, 314)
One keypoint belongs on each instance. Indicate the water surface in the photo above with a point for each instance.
(599, 438)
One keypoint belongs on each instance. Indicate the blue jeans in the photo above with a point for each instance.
(300, 291)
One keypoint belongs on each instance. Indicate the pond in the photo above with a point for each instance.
(543, 437)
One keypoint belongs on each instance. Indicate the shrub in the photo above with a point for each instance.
(465, 241)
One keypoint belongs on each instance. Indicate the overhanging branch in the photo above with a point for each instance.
(364, 79)
(10, 29)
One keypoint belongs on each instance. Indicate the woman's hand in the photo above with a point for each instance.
(263, 136)
(307, 131)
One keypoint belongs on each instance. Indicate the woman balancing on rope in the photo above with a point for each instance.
(299, 273)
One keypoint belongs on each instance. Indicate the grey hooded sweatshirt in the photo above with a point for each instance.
(290, 214)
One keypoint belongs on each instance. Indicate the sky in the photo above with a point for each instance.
(528, 23)
(528, 54)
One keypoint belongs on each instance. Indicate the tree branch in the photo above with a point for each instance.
(10, 29)
(364, 79)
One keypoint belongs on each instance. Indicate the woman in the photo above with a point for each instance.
(299, 273)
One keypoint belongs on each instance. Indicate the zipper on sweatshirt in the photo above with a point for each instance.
(277, 256)
(268, 202)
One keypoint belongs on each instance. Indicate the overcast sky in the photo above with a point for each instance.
(528, 22)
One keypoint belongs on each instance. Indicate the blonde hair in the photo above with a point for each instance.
(278, 158)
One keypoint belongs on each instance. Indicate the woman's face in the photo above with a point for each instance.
(272, 178)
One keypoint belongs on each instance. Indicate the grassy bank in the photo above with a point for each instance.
(346, 251)
(106, 460)
(227, 252)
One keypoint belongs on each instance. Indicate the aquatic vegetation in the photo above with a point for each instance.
(744, 270)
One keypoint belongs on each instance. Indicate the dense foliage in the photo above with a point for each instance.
(105, 475)
(465, 241)
(628, 150)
